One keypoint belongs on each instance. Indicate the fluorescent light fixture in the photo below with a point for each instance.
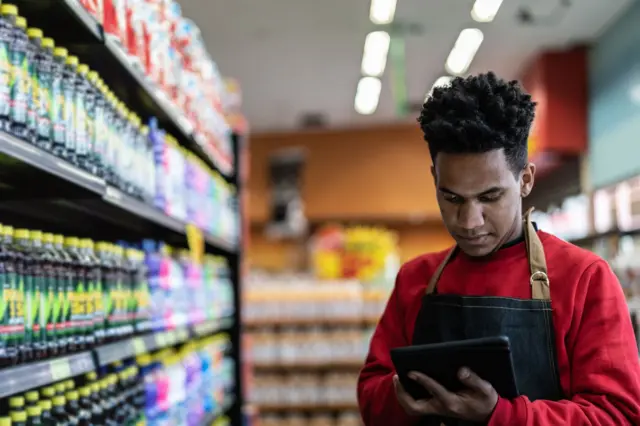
(445, 80)
(382, 11)
(367, 95)
(464, 51)
(376, 48)
(485, 10)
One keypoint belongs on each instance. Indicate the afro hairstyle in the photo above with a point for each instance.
(478, 114)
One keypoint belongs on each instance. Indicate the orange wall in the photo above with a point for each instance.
(367, 174)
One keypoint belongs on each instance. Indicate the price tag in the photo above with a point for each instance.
(195, 239)
(183, 335)
(60, 369)
(170, 338)
(138, 346)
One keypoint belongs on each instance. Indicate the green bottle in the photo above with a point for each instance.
(39, 306)
(51, 303)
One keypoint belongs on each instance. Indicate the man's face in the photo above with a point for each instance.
(480, 198)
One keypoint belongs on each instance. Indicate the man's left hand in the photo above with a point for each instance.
(475, 403)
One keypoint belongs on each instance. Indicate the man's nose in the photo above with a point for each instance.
(470, 215)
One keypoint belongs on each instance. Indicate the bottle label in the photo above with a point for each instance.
(34, 96)
(69, 326)
(5, 311)
(57, 111)
(58, 309)
(44, 105)
(17, 307)
(80, 123)
(32, 305)
(5, 77)
(50, 308)
(78, 306)
(90, 305)
(19, 86)
(41, 315)
(69, 115)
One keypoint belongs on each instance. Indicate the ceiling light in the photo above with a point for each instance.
(367, 95)
(445, 80)
(374, 59)
(485, 10)
(464, 51)
(382, 11)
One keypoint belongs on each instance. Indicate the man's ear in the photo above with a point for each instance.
(527, 180)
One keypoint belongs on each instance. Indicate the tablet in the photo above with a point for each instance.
(490, 358)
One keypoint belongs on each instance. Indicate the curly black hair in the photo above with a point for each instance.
(478, 114)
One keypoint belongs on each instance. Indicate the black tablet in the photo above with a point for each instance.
(490, 358)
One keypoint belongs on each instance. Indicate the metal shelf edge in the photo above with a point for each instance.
(87, 20)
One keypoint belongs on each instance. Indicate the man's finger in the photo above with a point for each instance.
(473, 381)
(434, 388)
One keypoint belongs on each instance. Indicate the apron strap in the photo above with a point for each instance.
(539, 281)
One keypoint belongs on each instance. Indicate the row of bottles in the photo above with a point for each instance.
(64, 294)
(180, 387)
(48, 98)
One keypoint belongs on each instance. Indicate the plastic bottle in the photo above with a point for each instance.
(95, 289)
(19, 418)
(19, 76)
(10, 331)
(48, 392)
(69, 77)
(34, 47)
(109, 279)
(97, 411)
(57, 110)
(43, 93)
(80, 117)
(25, 290)
(8, 12)
(45, 416)
(16, 403)
(62, 307)
(52, 282)
(88, 407)
(74, 409)
(31, 398)
(59, 413)
(111, 139)
(90, 276)
(77, 294)
(94, 115)
(39, 309)
(34, 414)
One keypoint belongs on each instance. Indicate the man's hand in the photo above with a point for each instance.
(475, 403)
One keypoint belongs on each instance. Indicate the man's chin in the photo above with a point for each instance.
(473, 250)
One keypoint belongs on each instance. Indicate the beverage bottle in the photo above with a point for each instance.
(57, 107)
(62, 306)
(108, 279)
(69, 77)
(97, 413)
(93, 411)
(80, 117)
(47, 419)
(94, 107)
(24, 296)
(8, 347)
(18, 418)
(16, 403)
(43, 94)
(52, 314)
(34, 415)
(13, 268)
(8, 12)
(95, 288)
(77, 294)
(91, 274)
(120, 144)
(74, 409)
(34, 47)
(31, 398)
(18, 56)
(111, 138)
(118, 292)
(108, 402)
(39, 303)
(59, 414)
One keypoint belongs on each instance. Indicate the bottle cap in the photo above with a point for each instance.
(21, 233)
(47, 237)
(16, 402)
(35, 33)
(49, 391)
(7, 230)
(21, 22)
(71, 242)
(61, 52)
(92, 375)
(73, 61)
(83, 69)
(58, 239)
(72, 395)
(19, 416)
(85, 391)
(45, 404)
(69, 384)
(59, 400)
(34, 411)
(31, 396)
(5, 421)
(93, 77)
(48, 43)
(35, 235)
(9, 9)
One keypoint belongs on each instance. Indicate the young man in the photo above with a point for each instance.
(562, 307)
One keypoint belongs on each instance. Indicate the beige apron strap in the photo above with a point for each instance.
(539, 279)
(436, 275)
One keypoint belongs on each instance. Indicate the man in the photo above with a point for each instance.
(573, 346)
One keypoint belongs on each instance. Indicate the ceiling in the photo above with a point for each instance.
(295, 57)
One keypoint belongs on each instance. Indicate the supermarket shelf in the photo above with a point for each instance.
(25, 377)
(311, 322)
(349, 364)
(309, 408)
(109, 353)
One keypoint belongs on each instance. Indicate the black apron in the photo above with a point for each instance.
(527, 322)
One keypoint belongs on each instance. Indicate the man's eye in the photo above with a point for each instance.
(489, 198)
(453, 199)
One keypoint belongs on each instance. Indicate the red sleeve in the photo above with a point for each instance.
(376, 396)
(605, 371)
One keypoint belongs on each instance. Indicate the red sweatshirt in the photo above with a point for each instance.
(597, 354)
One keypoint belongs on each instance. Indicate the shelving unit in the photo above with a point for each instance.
(38, 189)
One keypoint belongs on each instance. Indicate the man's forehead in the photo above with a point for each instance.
(472, 174)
